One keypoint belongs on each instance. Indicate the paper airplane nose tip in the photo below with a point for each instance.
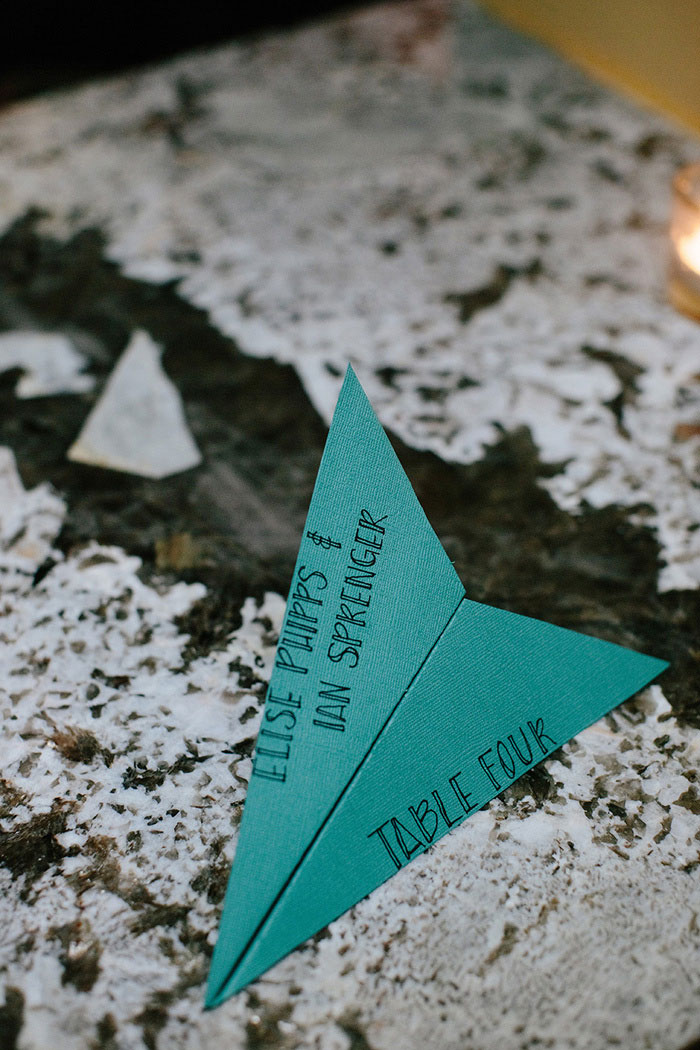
(219, 991)
(226, 980)
(217, 984)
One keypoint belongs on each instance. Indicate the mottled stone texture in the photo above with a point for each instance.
(481, 231)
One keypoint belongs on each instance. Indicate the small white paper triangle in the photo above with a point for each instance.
(138, 426)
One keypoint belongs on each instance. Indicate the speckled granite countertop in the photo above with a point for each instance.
(482, 232)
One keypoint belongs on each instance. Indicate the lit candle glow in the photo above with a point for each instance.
(689, 250)
(684, 277)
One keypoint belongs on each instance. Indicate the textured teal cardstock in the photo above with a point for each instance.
(396, 706)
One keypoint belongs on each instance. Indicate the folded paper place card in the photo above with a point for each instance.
(396, 705)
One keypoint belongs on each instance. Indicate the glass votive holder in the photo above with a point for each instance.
(684, 275)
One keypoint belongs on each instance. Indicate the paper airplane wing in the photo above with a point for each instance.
(497, 694)
(372, 591)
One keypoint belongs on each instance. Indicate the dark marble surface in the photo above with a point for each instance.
(481, 231)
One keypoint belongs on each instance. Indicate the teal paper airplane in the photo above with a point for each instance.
(396, 705)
